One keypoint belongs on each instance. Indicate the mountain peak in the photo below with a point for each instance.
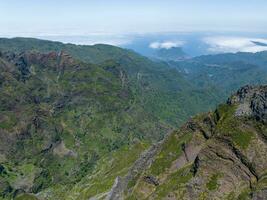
(252, 101)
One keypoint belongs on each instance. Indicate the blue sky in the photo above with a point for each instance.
(83, 17)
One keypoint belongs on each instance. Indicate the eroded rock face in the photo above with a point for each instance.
(121, 183)
(252, 101)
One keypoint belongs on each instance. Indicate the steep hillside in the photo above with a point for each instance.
(59, 116)
(162, 91)
(73, 118)
(218, 155)
(171, 91)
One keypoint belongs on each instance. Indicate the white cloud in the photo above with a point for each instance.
(166, 44)
(117, 40)
(82, 39)
(222, 44)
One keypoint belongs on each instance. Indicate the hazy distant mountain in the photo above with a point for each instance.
(174, 54)
(260, 43)
(200, 43)
(225, 72)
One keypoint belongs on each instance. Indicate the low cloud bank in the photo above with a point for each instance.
(118, 40)
(166, 44)
(220, 44)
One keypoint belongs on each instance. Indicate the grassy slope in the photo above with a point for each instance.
(242, 133)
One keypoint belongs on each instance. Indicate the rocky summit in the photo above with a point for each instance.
(252, 101)
(217, 155)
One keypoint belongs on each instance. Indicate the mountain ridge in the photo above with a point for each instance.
(69, 127)
(211, 163)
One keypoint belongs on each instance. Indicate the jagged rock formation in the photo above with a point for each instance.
(220, 155)
(252, 101)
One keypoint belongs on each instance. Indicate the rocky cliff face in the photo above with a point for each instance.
(252, 101)
(219, 155)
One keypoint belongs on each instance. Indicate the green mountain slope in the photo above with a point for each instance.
(59, 116)
(73, 118)
(163, 91)
(225, 73)
(200, 84)
(218, 155)
(92, 54)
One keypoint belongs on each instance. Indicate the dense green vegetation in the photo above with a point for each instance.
(102, 178)
(225, 73)
(73, 117)
(161, 91)
(60, 116)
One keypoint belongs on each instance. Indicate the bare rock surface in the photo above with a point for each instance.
(252, 101)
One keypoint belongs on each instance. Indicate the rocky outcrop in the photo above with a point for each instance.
(121, 183)
(252, 101)
(61, 150)
(117, 190)
(151, 180)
